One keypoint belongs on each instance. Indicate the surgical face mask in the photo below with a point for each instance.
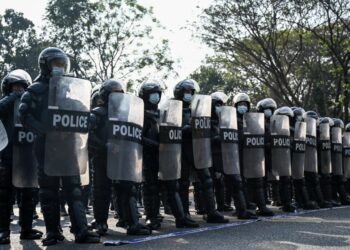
(268, 113)
(57, 71)
(242, 109)
(187, 97)
(218, 109)
(154, 98)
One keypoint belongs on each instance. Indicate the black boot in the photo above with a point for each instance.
(184, 186)
(256, 187)
(239, 200)
(174, 201)
(151, 202)
(314, 189)
(302, 196)
(213, 216)
(26, 211)
(128, 192)
(286, 194)
(340, 189)
(224, 193)
(78, 216)
(198, 198)
(327, 191)
(5, 213)
(275, 193)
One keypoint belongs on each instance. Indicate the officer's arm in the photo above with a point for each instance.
(7, 102)
(26, 117)
(147, 141)
(94, 142)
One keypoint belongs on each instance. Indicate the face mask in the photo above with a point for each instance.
(57, 71)
(154, 98)
(242, 109)
(217, 110)
(187, 98)
(267, 113)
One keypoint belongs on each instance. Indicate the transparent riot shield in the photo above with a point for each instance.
(124, 160)
(66, 152)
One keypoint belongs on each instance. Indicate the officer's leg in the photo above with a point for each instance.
(151, 197)
(174, 201)
(340, 189)
(102, 194)
(314, 189)
(198, 198)
(48, 194)
(286, 194)
(213, 216)
(256, 187)
(73, 192)
(184, 185)
(26, 211)
(127, 191)
(301, 195)
(5, 203)
(235, 184)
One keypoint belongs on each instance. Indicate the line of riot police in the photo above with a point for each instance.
(59, 126)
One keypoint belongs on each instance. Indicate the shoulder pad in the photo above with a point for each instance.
(38, 88)
(99, 111)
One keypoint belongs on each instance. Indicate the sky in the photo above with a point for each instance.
(175, 16)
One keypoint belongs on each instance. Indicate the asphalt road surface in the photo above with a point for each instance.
(312, 230)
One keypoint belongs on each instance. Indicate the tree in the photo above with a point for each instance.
(19, 45)
(107, 38)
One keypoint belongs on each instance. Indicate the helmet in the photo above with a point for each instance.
(182, 86)
(50, 54)
(109, 86)
(18, 76)
(311, 114)
(148, 87)
(241, 97)
(347, 127)
(284, 111)
(95, 98)
(322, 120)
(267, 103)
(298, 111)
(219, 97)
(338, 123)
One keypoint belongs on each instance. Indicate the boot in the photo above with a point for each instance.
(314, 189)
(302, 196)
(184, 186)
(198, 198)
(248, 196)
(285, 190)
(51, 210)
(235, 182)
(127, 192)
(256, 186)
(224, 193)
(77, 216)
(327, 191)
(5, 213)
(213, 216)
(150, 202)
(339, 183)
(275, 193)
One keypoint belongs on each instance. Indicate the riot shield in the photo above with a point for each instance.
(253, 145)
(346, 154)
(311, 146)
(85, 178)
(325, 164)
(3, 137)
(298, 156)
(24, 165)
(66, 151)
(337, 150)
(229, 140)
(280, 145)
(170, 135)
(124, 149)
(201, 114)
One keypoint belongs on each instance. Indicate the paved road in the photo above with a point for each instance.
(315, 230)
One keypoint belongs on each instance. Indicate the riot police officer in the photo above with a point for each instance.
(338, 187)
(298, 135)
(100, 144)
(268, 107)
(255, 185)
(13, 86)
(346, 157)
(225, 151)
(184, 91)
(53, 62)
(150, 91)
(311, 166)
(281, 155)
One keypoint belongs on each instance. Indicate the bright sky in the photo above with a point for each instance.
(174, 15)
